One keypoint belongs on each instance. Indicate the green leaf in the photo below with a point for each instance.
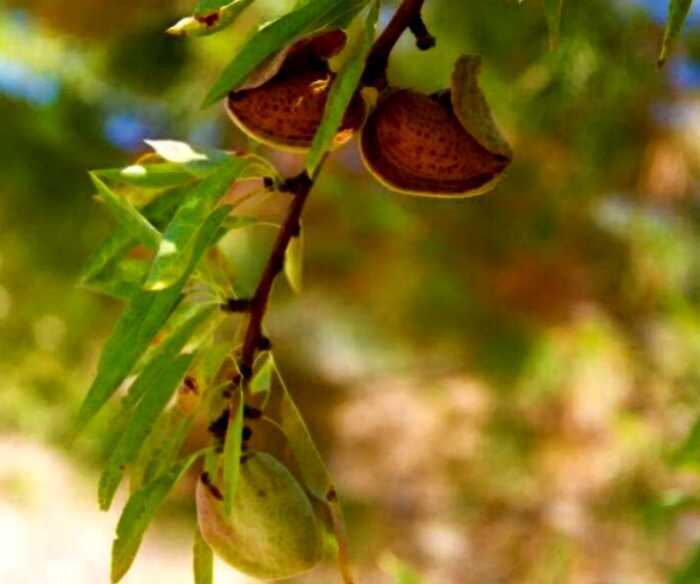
(275, 36)
(159, 175)
(162, 447)
(294, 261)
(213, 357)
(343, 18)
(203, 560)
(141, 423)
(105, 270)
(232, 456)
(690, 572)
(138, 513)
(262, 380)
(210, 17)
(205, 7)
(161, 357)
(677, 13)
(317, 479)
(146, 314)
(135, 223)
(121, 279)
(553, 9)
(106, 255)
(313, 470)
(341, 93)
(178, 238)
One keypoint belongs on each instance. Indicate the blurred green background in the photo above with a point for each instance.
(505, 387)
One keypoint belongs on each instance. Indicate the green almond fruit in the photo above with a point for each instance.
(273, 532)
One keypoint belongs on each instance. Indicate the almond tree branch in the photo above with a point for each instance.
(407, 16)
(299, 187)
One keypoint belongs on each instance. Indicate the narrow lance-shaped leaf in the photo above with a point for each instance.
(294, 261)
(214, 16)
(161, 448)
(178, 238)
(205, 7)
(203, 560)
(553, 10)
(193, 320)
(150, 176)
(122, 279)
(677, 13)
(105, 270)
(341, 93)
(152, 390)
(232, 456)
(135, 223)
(140, 425)
(313, 470)
(138, 513)
(274, 36)
(105, 254)
(262, 380)
(143, 318)
(343, 18)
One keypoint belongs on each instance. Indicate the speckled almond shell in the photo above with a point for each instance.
(415, 144)
(286, 111)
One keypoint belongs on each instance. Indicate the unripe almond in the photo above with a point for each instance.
(420, 144)
(282, 105)
(272, 532)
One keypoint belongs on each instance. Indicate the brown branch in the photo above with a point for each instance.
(407, 16)
(299, 187)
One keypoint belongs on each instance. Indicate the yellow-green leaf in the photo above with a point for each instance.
(294, 261)
(141, 423)
(232, 456)
(146, 314)
(138, 514)
(203, 560)
(210, 17)
(275, 35)
(127, 215)
(341, 93)
(677, 13)
(262, 380)
(178, 239)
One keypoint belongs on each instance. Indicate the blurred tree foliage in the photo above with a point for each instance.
(569, 295)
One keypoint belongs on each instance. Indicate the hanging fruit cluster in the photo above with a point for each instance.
(269, 510)
(445, 144)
